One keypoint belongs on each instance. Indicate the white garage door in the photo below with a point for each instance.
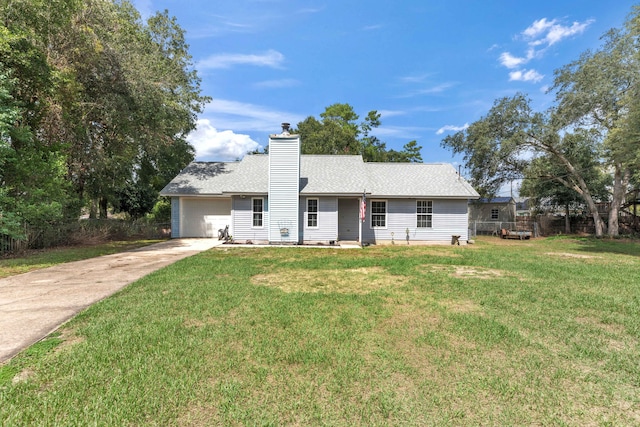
(204, 217)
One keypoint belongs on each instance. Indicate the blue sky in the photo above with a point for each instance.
(429, 67)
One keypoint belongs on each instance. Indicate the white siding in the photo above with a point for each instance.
(243, 221)
(327, 229)
(284, 183)
(449, 218)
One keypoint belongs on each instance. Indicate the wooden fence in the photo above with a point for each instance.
(83, 232)
(549, 225)
(10, 245)
(492, 228)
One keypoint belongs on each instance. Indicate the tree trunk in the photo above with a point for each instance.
(597, 219)
(103, 207)
(581, 188)
(620, 183)
(93, 210)
(614, 225)
(593, 210)
(599, 223)
(567, 220)
(635, 209)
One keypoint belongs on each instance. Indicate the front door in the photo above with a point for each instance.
(348, 217)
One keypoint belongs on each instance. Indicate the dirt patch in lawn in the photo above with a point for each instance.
(466, 272)
(443, 253)
(570, 255)
(23, 376)
(610, 328)
(69, 338)
(462, 306)
(349, 281)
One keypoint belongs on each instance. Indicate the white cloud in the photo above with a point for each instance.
(438, 88)
(246, 117)
(398, 132)
(538, 27)
(540, 35)
(211, 144)
(448, 128)
(525, 76)
(558, 32)
(415, 79)
(543, 32)
(428, 90)
(385, 114)
(511, 61)
(276, 84)
(271, 58)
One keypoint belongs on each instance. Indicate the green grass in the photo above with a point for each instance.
(542, 332)
(46, 258)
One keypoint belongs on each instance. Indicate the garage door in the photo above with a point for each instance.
(204, 217)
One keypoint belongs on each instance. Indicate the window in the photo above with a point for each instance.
(312, 213)
(378, 213)
(424, 212)
(257, 207)
(494, 213)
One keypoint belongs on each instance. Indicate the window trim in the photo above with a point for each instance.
(253, 212)
(428, 214)
(317, 213)
(497, 214)
(371, 213)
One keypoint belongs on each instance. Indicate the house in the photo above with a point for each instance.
(497, 209)
(286, 197)
(524, 206)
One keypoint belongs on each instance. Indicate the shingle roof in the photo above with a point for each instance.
(200, 178)
(251, 176)
(417, 179)
(497, 200)
(324, 174)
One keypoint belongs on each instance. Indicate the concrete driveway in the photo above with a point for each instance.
(34, 304)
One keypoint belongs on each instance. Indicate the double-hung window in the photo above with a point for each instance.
(495, 214)
(312, 213)
(258, 211)
(424, 213)
(378, 213)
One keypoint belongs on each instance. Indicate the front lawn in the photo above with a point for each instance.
(37, 259)
(542, 332)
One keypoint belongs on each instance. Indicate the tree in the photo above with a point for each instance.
(339, 132)
(595, 116)
(139, 97)
(94, 101)
(32, 172)
(594, 92)
(498, 149)
(540, 178)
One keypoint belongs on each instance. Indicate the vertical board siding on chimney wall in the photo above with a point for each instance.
(284, 186)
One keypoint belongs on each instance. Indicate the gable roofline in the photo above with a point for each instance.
(324, 175)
